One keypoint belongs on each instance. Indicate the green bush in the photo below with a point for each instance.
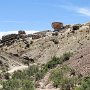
(60, 80)
(54, 62)
(39, 75)
(56, 77)
(85, 85)
(19, 75)
(32, 70)
(15, 84)
(22, 80)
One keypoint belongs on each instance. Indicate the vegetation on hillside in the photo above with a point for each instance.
(60, 76)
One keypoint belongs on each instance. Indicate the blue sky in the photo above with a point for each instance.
(39, 14)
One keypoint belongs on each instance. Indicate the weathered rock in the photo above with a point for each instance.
(57, 26)
(29, 35)
(21, 32)
(9, 37)
(28, 59)
(67, 26)
(55, 34)
(35, 36)
(76, 26)
(0, 40)
(27, 46)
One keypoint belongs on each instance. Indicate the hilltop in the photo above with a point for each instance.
(20, 51)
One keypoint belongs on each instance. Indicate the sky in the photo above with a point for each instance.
(37, 15)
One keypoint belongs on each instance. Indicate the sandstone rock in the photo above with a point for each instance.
(57, 26)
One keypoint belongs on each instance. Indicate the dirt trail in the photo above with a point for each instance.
(17, 68)
(48, 89)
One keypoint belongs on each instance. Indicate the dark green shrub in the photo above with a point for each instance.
(32, 70)
(60, 80)
(54, 62)
(19, 75)
(85, 85)
(27, 85)
(56, 77)
(39, 75)
(15, 84)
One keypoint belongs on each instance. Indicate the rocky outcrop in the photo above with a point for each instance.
(57, 26)
(11, 38)
(76, 26)
(21, 32)
(36, 36)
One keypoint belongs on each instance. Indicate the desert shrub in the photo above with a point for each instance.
(56, 77)
(19, 75)
(60, 80)
(21, 80)
(39, 75)
(85, 85)
(15, 84)
(32, 70)
(54, 62)
(27, 85)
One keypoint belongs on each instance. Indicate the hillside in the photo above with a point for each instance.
(39, 49)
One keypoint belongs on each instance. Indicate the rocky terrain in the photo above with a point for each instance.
(19, 51)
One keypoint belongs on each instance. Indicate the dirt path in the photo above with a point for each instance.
(17, 68)
(47, 89)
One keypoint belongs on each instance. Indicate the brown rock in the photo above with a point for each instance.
(57, 26)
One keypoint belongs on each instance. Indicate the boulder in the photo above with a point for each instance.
(57, 26)
(76, 27)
